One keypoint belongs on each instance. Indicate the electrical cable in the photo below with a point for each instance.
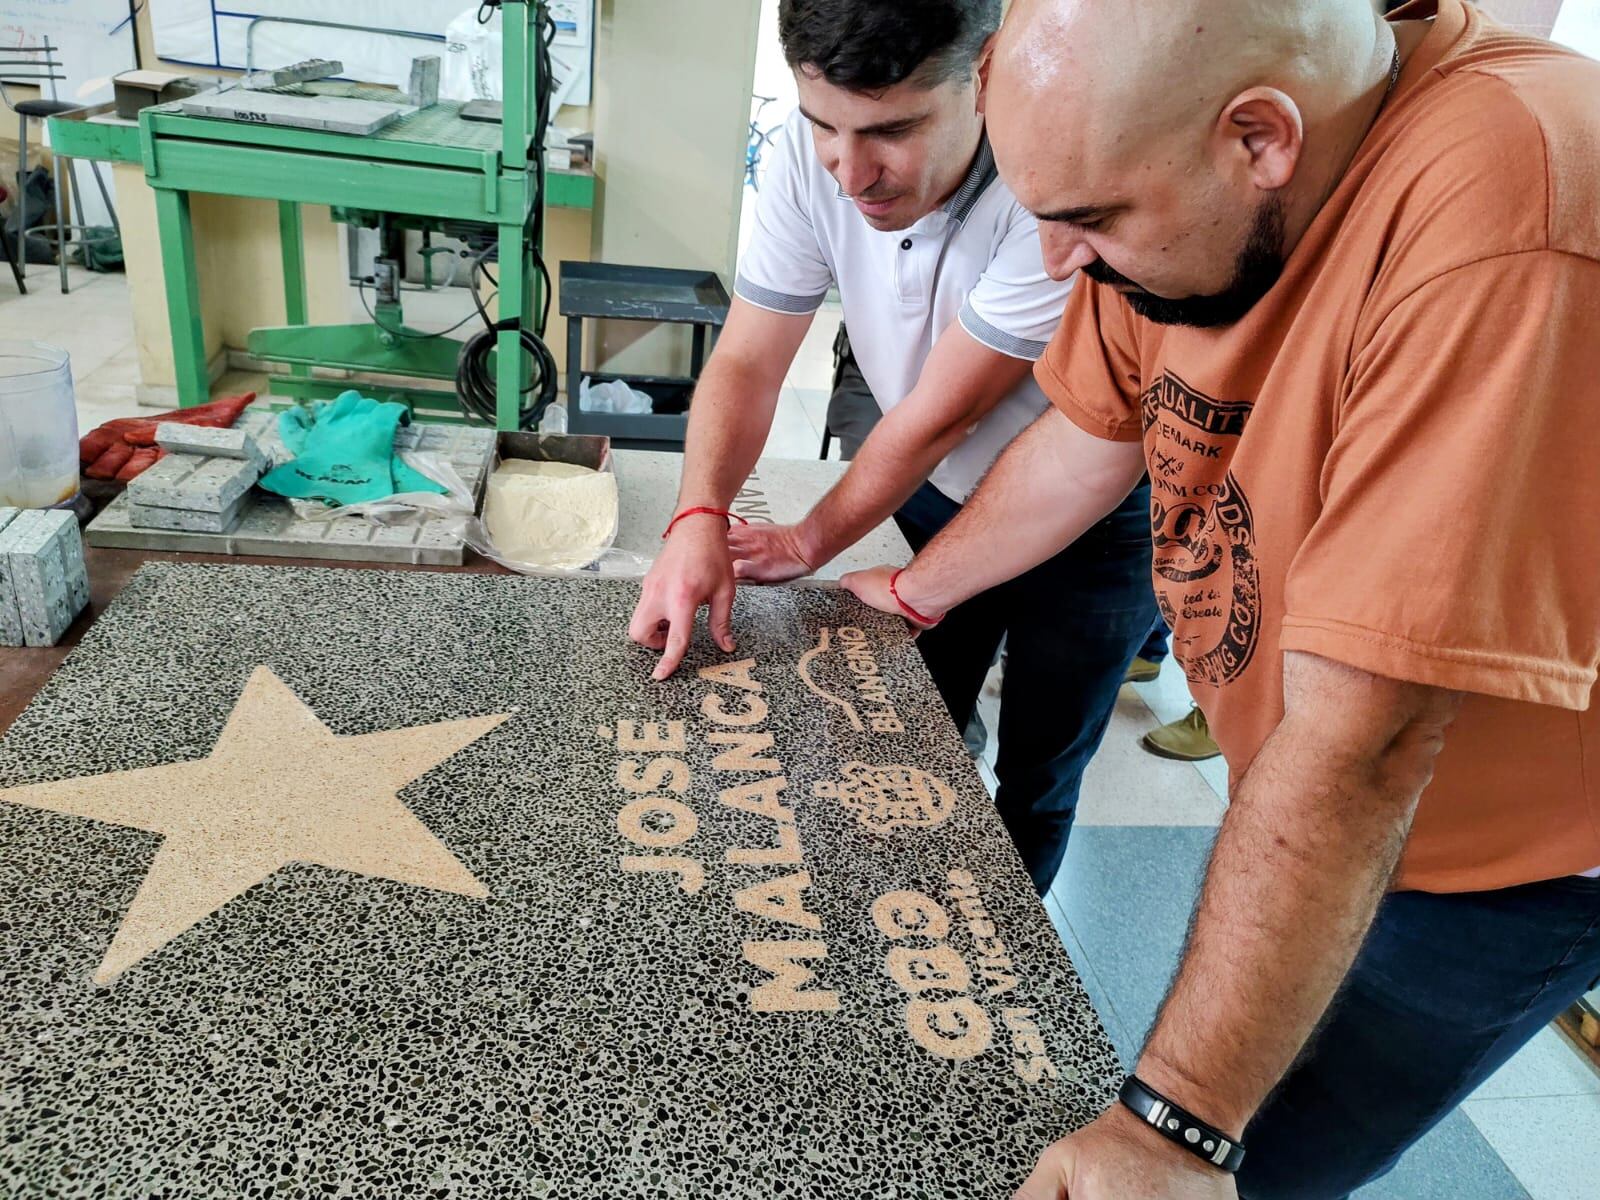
(410, 335)
(475, 382)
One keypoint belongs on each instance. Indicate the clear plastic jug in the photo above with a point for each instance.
(38, 426)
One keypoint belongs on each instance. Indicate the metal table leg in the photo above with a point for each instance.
(183, 296)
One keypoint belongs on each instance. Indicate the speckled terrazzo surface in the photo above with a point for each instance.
(628, 1012)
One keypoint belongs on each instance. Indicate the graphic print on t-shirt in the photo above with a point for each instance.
(1207, 581)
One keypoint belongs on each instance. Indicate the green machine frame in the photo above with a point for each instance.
(432, 165)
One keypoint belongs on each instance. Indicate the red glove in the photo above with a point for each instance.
(123, 448)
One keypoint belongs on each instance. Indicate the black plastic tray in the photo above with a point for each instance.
(618, 292)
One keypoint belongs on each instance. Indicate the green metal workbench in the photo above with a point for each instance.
(432, 164)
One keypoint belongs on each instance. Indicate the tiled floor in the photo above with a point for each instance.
(1527, 1134)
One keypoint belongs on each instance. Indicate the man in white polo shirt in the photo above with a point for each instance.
(884, 186)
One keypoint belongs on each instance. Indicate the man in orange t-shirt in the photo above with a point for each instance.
(1345, 310)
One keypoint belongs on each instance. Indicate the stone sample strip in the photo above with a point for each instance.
(41, 555)
(191, 482)
(309, 71)
(198, 440)
(484, 912)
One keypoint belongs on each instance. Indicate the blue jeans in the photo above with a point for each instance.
(1072, 625)
(1444, 991)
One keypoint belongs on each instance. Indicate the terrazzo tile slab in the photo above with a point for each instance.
(188, 481)
(414, 884)
(780, 491)
(214, 443)
(269, 527)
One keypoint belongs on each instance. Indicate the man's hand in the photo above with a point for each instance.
(1117, 1159)
(769, 553)
(693, 570)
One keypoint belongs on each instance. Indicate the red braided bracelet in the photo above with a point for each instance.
(703, 512)
(925, 622)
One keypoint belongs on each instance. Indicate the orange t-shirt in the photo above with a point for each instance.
(1393, 460)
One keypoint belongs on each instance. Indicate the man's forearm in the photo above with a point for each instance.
(1305, 856)
(893, 462)
(728, 425)
(1051, 484)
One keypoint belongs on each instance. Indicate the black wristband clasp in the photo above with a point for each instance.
(1180, 1127)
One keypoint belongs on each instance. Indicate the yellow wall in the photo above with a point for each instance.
(672, 118)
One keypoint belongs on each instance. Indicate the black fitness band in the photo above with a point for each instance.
(1180, 1127)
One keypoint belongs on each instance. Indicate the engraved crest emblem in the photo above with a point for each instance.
(884, 799)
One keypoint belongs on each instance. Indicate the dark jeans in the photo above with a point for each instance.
(1446, 989)
(1155, 648)
(1072, 626)
(852, 411)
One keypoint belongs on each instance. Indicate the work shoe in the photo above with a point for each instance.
(1187, 739)
(1142, 670)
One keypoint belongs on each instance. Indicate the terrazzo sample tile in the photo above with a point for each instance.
(188, 481)
(41, 555)
(377, 884)
(236, 442)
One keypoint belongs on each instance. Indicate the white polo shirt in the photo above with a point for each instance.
(976, 260)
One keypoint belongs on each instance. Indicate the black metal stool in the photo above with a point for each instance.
(41, 70)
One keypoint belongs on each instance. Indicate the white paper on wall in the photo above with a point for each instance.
(95, 40)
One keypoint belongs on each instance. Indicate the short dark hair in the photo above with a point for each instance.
(871, 45)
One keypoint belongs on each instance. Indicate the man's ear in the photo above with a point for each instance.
(1262, 130)
(985, 59)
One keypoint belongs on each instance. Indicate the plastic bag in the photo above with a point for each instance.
(455, 513)
(613, 396)
(554, 419)
(472, 68)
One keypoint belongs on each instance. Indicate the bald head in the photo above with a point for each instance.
(1163, 65)
(1180, 121)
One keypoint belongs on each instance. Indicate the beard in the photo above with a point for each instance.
(1255, 271)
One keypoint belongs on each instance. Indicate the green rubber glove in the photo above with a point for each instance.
(344, 453)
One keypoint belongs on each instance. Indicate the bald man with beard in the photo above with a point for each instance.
(1343, 305)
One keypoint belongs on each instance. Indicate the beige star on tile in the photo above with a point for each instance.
(279, 787)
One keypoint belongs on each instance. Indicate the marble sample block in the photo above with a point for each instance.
(400, 884)
(42, 556)
(424, 88)
(189, 481)
(198, 440)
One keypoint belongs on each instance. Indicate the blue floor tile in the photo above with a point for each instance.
(1122, 902)
(1453, 1162)
(1126, 893)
